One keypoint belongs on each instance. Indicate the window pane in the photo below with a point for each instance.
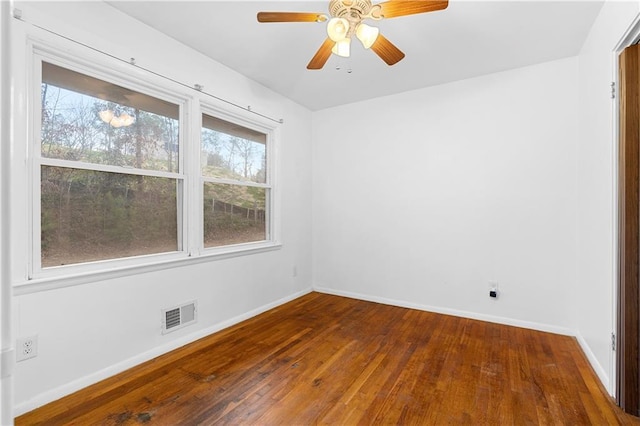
(233, 214)
(90, 120)
(230, 151)
(89, 215)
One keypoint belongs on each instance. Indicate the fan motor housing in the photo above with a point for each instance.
(349, 8)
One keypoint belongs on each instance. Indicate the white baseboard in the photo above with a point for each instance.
(597, 367)
(110, 371)
(447, 311)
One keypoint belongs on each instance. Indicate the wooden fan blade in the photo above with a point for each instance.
(291, 17)
(387, 51)
(322, 55)
(395, 8)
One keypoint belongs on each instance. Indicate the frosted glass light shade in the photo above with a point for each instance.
(117, 122)
(337, 29)
(106, 115)
(110, 118)
(126, 119)
(342, 48)
(367, 35)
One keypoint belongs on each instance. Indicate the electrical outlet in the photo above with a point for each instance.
(26, 348)
(493, 289)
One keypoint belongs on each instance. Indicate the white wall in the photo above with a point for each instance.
(419, 199)
(507, 177)
(90, 331)
(596, 159)
(422, 198)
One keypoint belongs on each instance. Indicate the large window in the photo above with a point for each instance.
(110, 170)
(236, 184)
(124, 176)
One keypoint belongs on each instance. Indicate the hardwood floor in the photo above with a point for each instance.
(333, 360)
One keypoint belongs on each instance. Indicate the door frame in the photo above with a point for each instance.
(631, 37)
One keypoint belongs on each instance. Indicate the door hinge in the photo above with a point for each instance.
(613, 341)
(613, 90)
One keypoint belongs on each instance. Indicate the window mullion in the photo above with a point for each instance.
(193, 200)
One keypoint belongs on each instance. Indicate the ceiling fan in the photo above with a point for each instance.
(347, 18)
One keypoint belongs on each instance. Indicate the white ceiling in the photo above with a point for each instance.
(468, 39)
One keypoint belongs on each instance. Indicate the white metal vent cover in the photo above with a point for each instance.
(178, 316)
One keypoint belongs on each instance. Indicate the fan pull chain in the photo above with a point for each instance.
(339, 66)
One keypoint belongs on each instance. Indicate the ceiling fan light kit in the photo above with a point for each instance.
(342, 48)
(337, 29)
(347, 18)
(367, 35)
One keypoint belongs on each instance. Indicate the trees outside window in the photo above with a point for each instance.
(109, 170)
(111, 174)
(235, 185)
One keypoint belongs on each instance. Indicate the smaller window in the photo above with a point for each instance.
(236, 183)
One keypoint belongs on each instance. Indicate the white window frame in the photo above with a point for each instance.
(269, 131)
(102, 72)
(192, 104)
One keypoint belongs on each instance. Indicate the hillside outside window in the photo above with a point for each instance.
(110, 171)
(236, 183)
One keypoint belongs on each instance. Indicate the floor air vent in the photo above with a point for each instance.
(178, 317)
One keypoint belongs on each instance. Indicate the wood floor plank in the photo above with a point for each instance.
(324, 359)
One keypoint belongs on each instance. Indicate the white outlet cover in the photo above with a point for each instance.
(26, 348)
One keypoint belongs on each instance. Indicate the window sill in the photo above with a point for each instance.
(37, 285)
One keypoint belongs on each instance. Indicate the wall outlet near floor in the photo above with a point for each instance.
(493, 289)
(26, 348)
